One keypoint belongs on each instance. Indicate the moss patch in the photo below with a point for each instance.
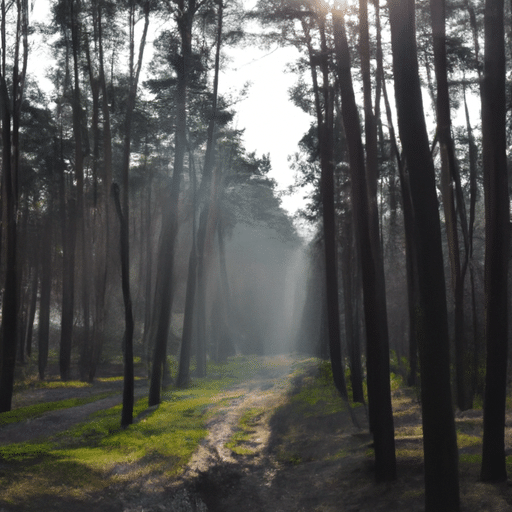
(239, 441)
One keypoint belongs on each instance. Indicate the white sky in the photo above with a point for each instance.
(272, 123)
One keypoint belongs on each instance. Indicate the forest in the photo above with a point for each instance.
(136, 227)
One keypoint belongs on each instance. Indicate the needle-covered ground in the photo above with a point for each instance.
(259, 434)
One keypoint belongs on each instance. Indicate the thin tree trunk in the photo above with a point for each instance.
(46, 289)
(205, 198)
(325, 141)
(103, 253)
(349, 284)
(68, 209)
(149, 279)
(225, 291)
(186, 338)
(473, 191)
(33, 306)
(22, 262)
(448, 173)
(124, 217)
(372, 171)
(128, 388)
(10, 171)
(186, 341)
(164, 293)
(79, 176)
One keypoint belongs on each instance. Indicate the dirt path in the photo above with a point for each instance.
(265, 392)
(214, 468)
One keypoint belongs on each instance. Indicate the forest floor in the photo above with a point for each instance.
(275, 445)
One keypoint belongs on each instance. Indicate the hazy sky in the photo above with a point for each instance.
(272, 123)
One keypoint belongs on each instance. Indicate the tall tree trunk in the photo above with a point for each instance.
(68, 209)
(439, 438)
(33, 305)
(149, 279)
(411, 269)
(92, 256)
(10, 112)
(205, 198)
(448, 173)
(473, 191)
(186, 338)
(128, 388)
(371, 171)
(350, 283)
(10, 297)
(164, 293)
(23, 262)
(124, 217)
(227, 346)
(377, 343)
(75, 8)
(186, 343)
(46, 289)
(497, 227)
(103, 252)
(325, 142)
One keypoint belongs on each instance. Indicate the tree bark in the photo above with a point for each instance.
(124, 214)
(323, 98)
(10, 296)
(10, 112)
(164, 293)
(448, 173)
(377, 343)
(75, 8)
(439, 438)
(44, 303)
(33, 306)
(197, 259)
(473, 191)
(351, 283)
(102, 260)
(128, 387)
(497, 226)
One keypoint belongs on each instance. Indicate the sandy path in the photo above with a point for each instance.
(265, 391)
(212, 460)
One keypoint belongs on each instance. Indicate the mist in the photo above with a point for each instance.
(267, 276)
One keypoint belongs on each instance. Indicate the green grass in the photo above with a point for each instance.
(318, 393)
(314, 398)
(33, 382)
(246, 424)
(94, 455)
(118, 378)
(340, 454)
